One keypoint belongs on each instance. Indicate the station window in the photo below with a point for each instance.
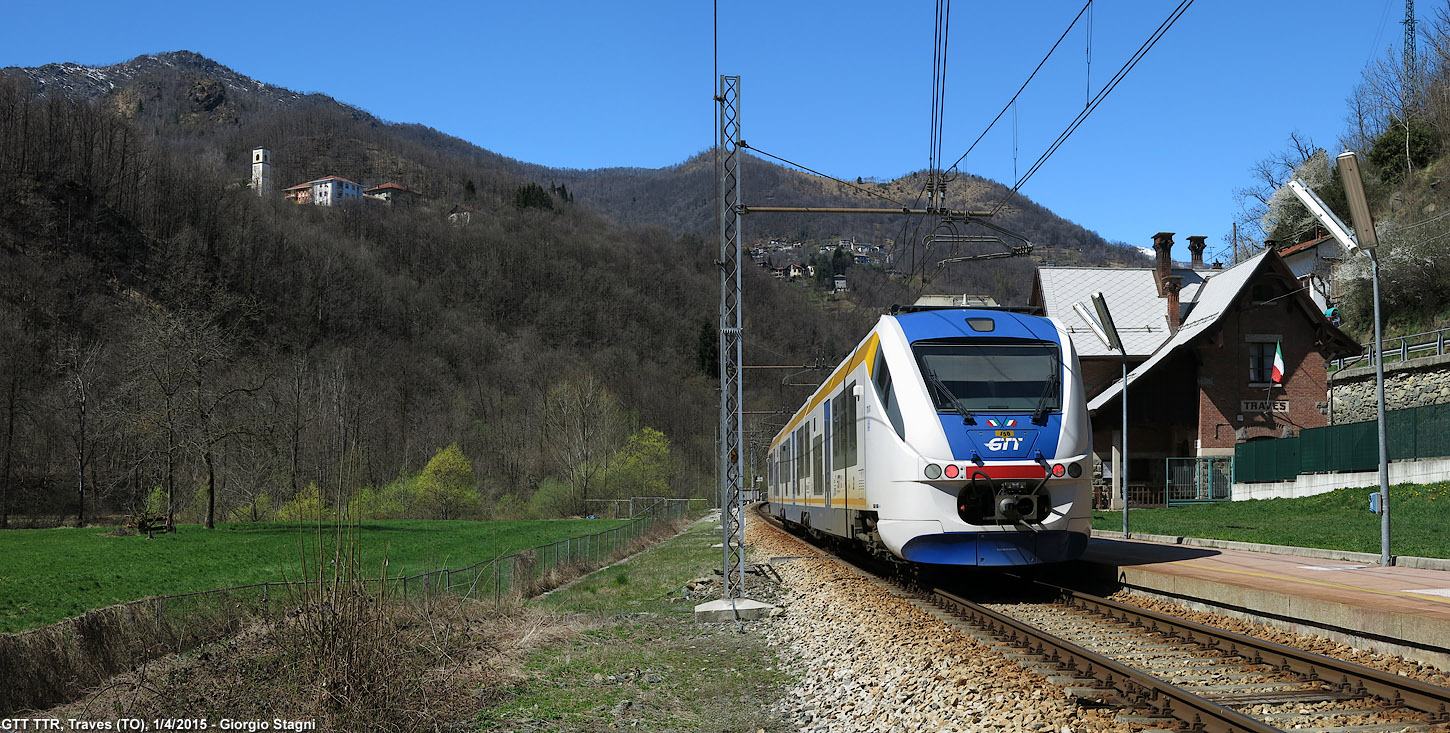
(1261, 362)
(1261, 358)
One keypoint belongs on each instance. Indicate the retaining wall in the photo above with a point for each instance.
(1414, 383)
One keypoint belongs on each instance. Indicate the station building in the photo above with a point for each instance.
(1200, 345)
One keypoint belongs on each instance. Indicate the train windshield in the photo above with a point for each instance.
(991, 377)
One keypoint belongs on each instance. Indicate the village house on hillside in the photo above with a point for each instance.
(1201, 346)
(328, 190)
(1314, 263)
(394, 193)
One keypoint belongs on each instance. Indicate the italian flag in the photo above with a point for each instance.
(1278, 373)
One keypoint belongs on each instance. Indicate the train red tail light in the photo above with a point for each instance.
(1058, 470)
(952, 471)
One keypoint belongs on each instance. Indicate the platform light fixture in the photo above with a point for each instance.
(1103, 327)
(1364, 233)
(1323, 214)
(1362, 239)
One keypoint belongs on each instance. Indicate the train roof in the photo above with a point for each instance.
(1030, 310)
(924, 324)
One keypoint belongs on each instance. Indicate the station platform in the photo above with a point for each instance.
(1347, 597)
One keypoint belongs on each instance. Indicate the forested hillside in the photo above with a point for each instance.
(168, 337)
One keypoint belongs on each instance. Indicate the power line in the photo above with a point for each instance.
(812, 171)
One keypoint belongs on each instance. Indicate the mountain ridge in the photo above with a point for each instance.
(679, 197)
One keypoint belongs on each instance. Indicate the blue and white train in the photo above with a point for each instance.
(950, 436)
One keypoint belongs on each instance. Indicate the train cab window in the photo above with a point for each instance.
(887, 393)
(971, 376)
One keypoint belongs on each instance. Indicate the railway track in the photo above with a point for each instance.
(1165, 673)
(1170, 673)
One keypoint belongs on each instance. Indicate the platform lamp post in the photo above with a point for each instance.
(1102, 327)
(1363, 239)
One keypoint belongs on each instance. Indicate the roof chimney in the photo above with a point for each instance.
(1196, 246)
(1163, 267)
(1171, 285)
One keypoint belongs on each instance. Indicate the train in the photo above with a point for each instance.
(950, 436)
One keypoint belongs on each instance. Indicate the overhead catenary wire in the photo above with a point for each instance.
(1098, 99)
(1022, 88)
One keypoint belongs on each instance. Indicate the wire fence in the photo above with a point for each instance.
(55, 663)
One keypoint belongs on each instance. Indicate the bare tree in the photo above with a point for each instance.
(583, 427)
(78, 364)
(1268, 176)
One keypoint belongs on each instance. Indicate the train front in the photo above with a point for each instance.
(984, 458)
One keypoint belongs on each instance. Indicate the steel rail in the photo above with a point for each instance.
(1393, 688)
(1139, 688)
(1144, 691)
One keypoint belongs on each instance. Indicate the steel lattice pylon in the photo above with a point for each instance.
(727, 189)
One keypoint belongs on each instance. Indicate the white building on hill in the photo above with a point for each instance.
(329, 191)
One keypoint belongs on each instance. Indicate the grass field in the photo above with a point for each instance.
(52, 574)
(1339, 520)
(646, 664)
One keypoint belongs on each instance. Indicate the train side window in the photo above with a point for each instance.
(848, 424)
(818, 454)
(806, 448)
(770, 475)
(887, 392)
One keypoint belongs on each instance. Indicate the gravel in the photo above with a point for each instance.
(869, 660)
(1318, 645)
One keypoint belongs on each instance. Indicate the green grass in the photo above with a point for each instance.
(52, 574)
(673, 674)
(1338, 520)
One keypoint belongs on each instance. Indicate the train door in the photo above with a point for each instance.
(818, 478)
(849, 439)
(839, 427)
(826, 476)
(802, 469)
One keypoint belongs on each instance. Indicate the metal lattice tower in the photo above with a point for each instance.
(727, 182)
(1412, 62)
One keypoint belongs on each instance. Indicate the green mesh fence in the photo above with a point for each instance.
(1413, 433)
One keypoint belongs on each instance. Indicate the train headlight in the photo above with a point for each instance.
(1074, 469)
(952, 471)
(933, 471)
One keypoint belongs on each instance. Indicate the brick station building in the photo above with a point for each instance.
(1200, 345)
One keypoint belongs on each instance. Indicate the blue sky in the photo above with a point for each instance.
(842, 87)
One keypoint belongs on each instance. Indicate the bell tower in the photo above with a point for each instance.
(262, 171)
